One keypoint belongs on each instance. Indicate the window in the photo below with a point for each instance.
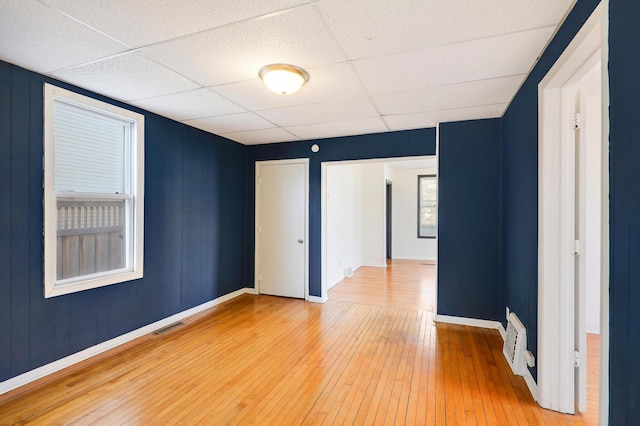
(93, 193)
(427, 206)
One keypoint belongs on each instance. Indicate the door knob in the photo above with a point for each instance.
(301, 241)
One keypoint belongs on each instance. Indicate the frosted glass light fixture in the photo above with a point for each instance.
(283, 79)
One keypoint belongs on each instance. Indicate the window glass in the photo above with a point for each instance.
(427, 206)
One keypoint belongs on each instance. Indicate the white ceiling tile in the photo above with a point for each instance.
(236, 53)
(143, 22)
(475, 93)
(501, 56)
(37, 37)
(188, 105)
(339, 110)
(365, 28)
(341, 128)
(231, 123)
(429, 119)
(255, 137)
(325, 83)
(126, 77)
(413, 62)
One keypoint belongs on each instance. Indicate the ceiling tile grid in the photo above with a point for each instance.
(36, 37)
(127, 77)
(140, 23)
(236, 53)
(189, 105)
(374, 65)
(231, 123)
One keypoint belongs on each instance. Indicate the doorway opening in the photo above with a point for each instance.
(573, 234)
(369, 210)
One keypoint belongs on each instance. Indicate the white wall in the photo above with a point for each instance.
(343, 221)
(593, 199)
(373, 216)
(406, 244)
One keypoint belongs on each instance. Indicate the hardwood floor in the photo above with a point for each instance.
(403, 284)
(269, 360)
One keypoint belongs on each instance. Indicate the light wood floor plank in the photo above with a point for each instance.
(370, 355)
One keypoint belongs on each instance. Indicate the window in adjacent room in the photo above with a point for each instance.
(93, 193)
(427, 206)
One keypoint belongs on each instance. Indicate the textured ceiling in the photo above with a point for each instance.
(375, 65)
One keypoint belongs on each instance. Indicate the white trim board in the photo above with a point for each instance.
(316, 299)
(557, 304)
(472, 322)
(68, 361)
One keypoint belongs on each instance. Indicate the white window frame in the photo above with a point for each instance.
(134, 197)
(420, 178)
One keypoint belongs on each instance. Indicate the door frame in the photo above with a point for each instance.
(555, 384)
(323, 208)
(388, 218)
(305, 162)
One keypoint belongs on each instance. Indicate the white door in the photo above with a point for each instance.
(281, 223)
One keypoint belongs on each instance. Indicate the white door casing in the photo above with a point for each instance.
(561, 306)
(580, 301)
(282, 228)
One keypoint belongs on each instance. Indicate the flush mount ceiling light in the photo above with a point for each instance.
(283, 79)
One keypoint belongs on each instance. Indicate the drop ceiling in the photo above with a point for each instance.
(375, 65)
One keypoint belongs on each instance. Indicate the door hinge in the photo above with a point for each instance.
(576, 120)
(260, 229)
(259, 180)
(576, 359)
(576, 248)
(259, 278)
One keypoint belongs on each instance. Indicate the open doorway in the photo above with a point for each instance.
(370, 232)
(573, 228)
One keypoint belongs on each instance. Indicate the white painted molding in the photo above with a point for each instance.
(532, 385)
(503, 332)
(375, 265)
(472, 322)
(556, 213)
(45, 370)
(422, 259)
(316, 299)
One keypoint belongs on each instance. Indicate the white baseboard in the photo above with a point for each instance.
(45, 370)
(472, 322)
(532, 385)
(503, 332)
(316, 299)
(421, 259)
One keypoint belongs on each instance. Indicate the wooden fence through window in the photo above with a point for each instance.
(90, 236)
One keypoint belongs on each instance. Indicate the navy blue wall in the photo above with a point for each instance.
(520, 184)
(624, 69)
(380, 145)
(469, 219)
(194, 212)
